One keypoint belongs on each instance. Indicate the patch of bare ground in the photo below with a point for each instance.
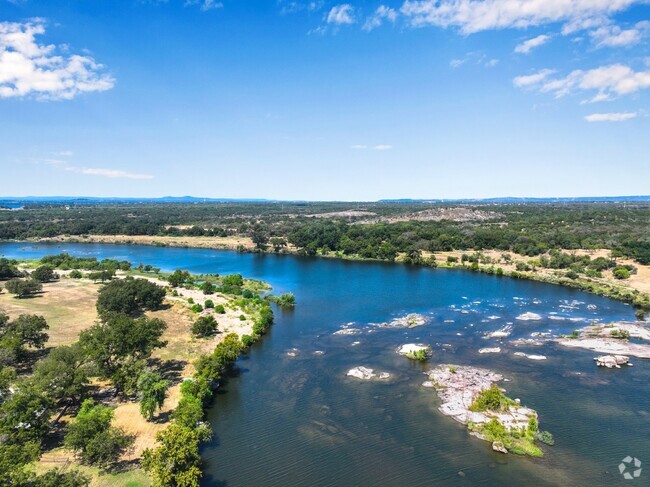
(223, 243)
(68, 306)
(439, 214)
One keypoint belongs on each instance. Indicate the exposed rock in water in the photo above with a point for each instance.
(415, 351)
(501, 333)
(611, 339)
(531, 357)
(490, 350)
(458, 388)
(365, 373)
(529, 317)
(409, 321)
(347, 331)
(499, 446)
(611, 361)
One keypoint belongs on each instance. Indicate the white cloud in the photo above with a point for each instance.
(383, 147)
(377, 19)
(204, 5)
(613, 36)
(609, 82)
(107, 173)
(28, 68)
(457, 63)
(477, 15)
(359, 146)
(491, 63)
(530, 44)
(291, 7)
(532, 79)
(610, 117)
(341, 14)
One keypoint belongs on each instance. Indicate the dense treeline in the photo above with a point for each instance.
(529, 229)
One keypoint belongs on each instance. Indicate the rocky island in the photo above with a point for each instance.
(611, 339)
(470, 396)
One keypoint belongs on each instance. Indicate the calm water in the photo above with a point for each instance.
(299, 420)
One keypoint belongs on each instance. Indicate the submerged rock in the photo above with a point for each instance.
(611, 361)
(490, 350)
(500, 333)
(529, 317)
(530, 356)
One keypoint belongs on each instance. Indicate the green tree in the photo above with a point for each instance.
(92, 437)
(207, 287)
(153, 390)
(26, 330)
(63, 374)
(129, 296)
(176, 461)
(23, 288)
(44, 273)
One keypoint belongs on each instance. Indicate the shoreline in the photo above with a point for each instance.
(635, 292)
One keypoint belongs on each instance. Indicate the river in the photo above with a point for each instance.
(292, 417)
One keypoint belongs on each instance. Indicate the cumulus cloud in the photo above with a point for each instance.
(204, 5)
(379, 16)
(341, 14)
(610, 117)
(478, 15)
(608, 81)
(28, 68)
(528, 45)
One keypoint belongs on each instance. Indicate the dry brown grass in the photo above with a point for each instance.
(68, 306)
(227, 243)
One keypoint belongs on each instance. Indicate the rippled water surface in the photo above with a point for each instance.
(292, 417)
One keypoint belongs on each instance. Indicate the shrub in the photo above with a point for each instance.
(491, 399)
(75, 274)
(545, 437)
(621, 273)
(197, 308)
(247, 340)
(208, 304)
(204, 326)
(220, 309)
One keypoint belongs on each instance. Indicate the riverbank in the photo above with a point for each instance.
(69, 307)
(635, 290)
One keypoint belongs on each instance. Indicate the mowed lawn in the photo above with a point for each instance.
(68, 306)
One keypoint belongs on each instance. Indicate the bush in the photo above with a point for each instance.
(207, 287)
(247, 340)
(491, 399)
(220, 309)
(197, 308)
(204, 326)
(208, 304)
(75, 274)
(619, 273)
(545, 437)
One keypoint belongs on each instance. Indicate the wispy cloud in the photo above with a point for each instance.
(28, 68)
(608, 81)
(378, 147)
(204, 5)
(380, 15)
(528, 45)
(341, 15)
(474, 57)
(611, 117)
(107, 173)
(64, 165)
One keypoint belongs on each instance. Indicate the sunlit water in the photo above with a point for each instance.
(299, 420)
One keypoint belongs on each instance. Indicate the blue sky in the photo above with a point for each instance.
(325, 100)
